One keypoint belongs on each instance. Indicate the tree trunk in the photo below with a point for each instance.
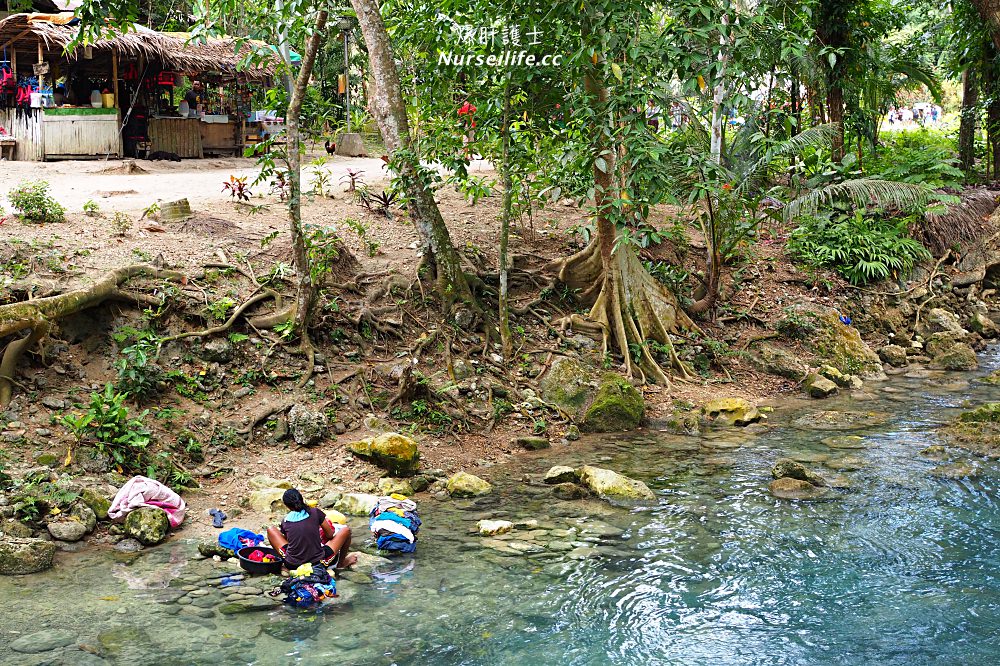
(718, 97)
(630, 309)
(508, 205)
(389, 109)
(967, 126)
(305, 293)
(835, 107)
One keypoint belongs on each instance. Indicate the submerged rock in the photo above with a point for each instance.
(560, 474)
(845, 442)
(307, 426)
(992, 378)
(832, 420)
(731, 412)
(130, 546)
(617, 406)
(955, 471)
(785, 468)
(977, 430)
(24, 556)
(569, 491)
(494, 527)
(463, 484)
(608, 484)
(394, 452)
(795, 489)
(43, 641)
(148, 525)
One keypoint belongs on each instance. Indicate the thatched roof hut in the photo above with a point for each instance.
(25, 32)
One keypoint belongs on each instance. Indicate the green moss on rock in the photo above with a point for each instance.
(617, 406)
(836, 343)
(147, 525)
(568, 385)
(391, 451)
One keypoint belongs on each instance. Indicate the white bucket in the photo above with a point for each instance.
(36, 100)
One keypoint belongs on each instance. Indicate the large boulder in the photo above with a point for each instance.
(984, 326)
(834, 342)
(263, 481)
(267, 500)
(731, 412)
(148, 525)
(617, 406)
(959, 356)
(942, 342)
(938, 320)
(568, 385)
(308, 427)
(463, 484)
(777, 361)
(24, 555)
(394, 452)
(390, 486)
(356, 504)
(67, 529)
(611, 485)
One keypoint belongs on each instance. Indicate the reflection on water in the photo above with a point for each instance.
(898, 568)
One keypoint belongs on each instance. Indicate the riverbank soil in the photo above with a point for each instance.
(386, 361)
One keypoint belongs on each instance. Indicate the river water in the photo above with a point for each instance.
(899, 567)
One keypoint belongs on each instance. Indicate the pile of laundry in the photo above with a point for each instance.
(235, 538)
(394, 524)
(260, 556)
(140, 491)
(308, 585)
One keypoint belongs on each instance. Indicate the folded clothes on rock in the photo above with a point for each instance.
(394, 524)
(140, 491)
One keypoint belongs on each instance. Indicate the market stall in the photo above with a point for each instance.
(130, 94)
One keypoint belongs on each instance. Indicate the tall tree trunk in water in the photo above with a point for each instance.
(629, 308)
(305, 293)
(508, 208)
(967, 125)
(389, 109)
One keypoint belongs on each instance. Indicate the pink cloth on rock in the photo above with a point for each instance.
(140, 491)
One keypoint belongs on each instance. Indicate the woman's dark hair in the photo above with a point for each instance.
(293, 500)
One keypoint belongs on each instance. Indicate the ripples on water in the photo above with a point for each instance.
(899, 569)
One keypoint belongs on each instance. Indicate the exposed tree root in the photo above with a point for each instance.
(266, 410)
(629, 308)
(38, 315)
(228, 324)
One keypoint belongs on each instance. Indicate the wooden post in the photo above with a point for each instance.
(41, 59)
(114, 77)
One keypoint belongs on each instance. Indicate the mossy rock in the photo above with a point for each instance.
(463, 484)
(394, 452)
(20, 556)
(617, 406)
(959, 356)
(569, 385)
(610, 485)
(779, 362)
(836, 343)
(97, 502)
(147, 525)
(977, 430)
(992, 378)
(731, 412)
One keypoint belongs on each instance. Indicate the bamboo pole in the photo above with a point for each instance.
(114, 77)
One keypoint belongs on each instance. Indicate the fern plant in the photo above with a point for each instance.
(862, 247)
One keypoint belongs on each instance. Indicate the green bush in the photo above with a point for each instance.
(922, 158)
(113, 432)
(862, 247)
(32, 203)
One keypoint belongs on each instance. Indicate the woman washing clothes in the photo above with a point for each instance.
(305, 536)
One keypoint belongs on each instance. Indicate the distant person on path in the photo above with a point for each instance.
(652, 116)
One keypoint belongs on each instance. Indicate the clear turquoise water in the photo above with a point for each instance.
(899, 568)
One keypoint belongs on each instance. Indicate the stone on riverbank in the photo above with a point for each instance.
(894, 355)
(98, 502)
(532, 443)
(618, 406)
(795, 489)
(67, 529)
(611, 485)
(249, 604)
(977, 430)
(213, 548)
(307, 427)
(24, 556)
(356, 504)
(818, 386)
(494, 527)
(959, 356)
(262, 482)
(147, 525)
(388, 485)
(777, 361)
(938, 320)
(463, 484)
(569, 491)
(730, 412)
(43, 641)
(560, 474)
(391, 451)
(836, 343)
(984, 326)
(568, 385)
(267, 500)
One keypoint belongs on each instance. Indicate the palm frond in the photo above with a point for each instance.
(814, 136)
(861, 192)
